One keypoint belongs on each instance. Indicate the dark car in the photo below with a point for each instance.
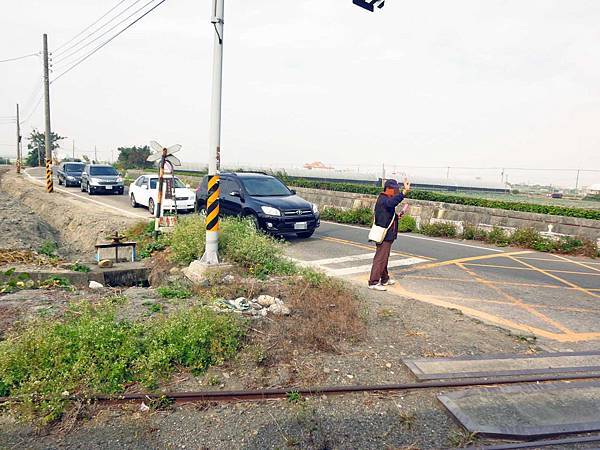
(69, 173)
(266, 200)
(97, 178)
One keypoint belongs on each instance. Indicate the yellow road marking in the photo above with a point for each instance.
(577, 262)
(451, 262)
(533, 258)
(568, 283)
(369, 247)
(527, 268)
(517, 301)
(491, 318)
(535, 305)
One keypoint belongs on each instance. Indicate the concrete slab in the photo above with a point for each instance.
(502, 365)
(527, 411)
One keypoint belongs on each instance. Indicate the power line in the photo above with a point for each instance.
(33, 110)
(112, 38)
(19, 57)
(90, 26)
(62, 58)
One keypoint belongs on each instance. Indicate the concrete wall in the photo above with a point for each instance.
(426, 212)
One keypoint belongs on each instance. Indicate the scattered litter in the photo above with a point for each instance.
(258, 307)
(144, 407)
(95, 285)
(105, 264)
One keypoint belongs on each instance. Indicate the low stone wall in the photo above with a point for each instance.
(426, 212)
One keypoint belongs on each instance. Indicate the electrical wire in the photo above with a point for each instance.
(90, 26)
(109, 40)
(62, 58)
(19, 57)
(33, 110)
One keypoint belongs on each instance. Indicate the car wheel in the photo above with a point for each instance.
(201, 208)
(134, 204)
(89, 189)
(59, 182)
(254, 220)
(305, 234)
(151, 207)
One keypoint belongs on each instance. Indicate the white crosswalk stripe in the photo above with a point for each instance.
(323, 264)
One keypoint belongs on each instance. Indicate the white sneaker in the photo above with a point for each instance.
(389, 282)
(377, 287)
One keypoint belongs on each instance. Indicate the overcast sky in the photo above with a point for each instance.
(508, 83)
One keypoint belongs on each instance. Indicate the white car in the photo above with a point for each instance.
(144, 192)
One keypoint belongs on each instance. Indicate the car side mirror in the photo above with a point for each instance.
(188, 186)
(293, 191)
(235, 194)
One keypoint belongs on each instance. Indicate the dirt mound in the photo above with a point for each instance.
(20, 227)
(75, 224)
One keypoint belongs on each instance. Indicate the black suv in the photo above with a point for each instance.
(265, 200)
(101, 178)
(69, 173)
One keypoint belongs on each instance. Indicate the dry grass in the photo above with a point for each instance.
(160, 264)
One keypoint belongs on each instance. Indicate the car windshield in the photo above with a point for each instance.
(74, 168)
(265, 187)
(103, 171)
(178, 183)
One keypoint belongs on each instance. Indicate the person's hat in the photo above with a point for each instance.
(391, 184)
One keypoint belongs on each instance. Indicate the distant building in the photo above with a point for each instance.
(594, 189)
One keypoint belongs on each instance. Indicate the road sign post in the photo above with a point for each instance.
(165, 155)
(211, 252)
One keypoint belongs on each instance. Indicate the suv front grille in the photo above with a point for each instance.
(297, 212)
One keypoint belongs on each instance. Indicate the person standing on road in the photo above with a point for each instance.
(386, 217)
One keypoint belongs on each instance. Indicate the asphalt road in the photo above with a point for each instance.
(552, 297)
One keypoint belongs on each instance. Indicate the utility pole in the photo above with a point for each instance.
(18, 142)
(48, 141)
(211, 253)
(577, 180)
(73, 149)
(95, 154)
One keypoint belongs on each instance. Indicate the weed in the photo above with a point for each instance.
(469, 232)
(162, 403)
(48, 248)
(143, 234)
(544, 245)
(89, 351)
(525, 237)
(78, 267)
(439, 229)
(116, 300)
(214, 380)
(407, 224)
(259, 354)
(175, 290)
(15, 282)
(461, 438)
(386, 313)
(568, 244)
(313, 277)
(55, 281)
(407, 419)
(294, 397)
(498, 236)
(153, 307)
(359, 216)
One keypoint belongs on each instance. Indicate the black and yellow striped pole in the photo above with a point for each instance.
(48, 134)
(211, 253)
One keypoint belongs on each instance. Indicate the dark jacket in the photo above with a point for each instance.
(385, 211)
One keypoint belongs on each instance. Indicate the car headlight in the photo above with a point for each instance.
(119, 179)
(315, 208)
(70, 178)
(270, 211)
(95, 180)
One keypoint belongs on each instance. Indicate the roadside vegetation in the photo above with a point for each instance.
(523, 237)
(455, 199)
(51, 366)
(46, 364)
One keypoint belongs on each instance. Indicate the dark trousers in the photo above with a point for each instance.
(379, 271)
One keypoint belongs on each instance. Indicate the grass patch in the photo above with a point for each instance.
(143, 234)
(49, 249)
(359, 216)
(89, 351)
(78, 267)
(175, 290)
(439, 229)
(407, 224)
(260, 254)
